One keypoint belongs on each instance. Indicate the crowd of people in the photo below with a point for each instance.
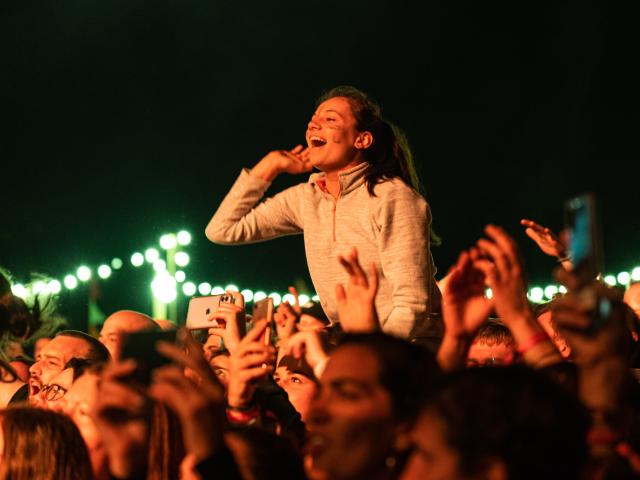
(391, 376)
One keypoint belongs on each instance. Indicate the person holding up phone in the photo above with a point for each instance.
(365, 196)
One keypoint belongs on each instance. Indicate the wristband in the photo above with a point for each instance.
(566, 258)
(532, 342)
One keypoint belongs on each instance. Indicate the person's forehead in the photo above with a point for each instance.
(496, 350)
(354, 362)
(285, 371)
(64, 346)
(220, 360)
(336, 104)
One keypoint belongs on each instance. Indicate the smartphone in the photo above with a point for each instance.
(141, 346)
(264, 309)
(582, 226)
(201, 308)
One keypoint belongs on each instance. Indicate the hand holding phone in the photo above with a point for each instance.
(263, 310)
(582, 228)
(231, 322)
(201, 314)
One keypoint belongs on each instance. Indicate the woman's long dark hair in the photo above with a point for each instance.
(389, 156)
(42, 445)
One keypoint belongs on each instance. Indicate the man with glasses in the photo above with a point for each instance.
(55, 356)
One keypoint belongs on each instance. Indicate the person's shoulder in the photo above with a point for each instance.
(395, 188)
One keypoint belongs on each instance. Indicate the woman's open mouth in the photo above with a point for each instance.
(316, 141)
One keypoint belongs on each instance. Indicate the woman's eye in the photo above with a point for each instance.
(296, 379)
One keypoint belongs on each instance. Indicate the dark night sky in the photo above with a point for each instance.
(125, 119)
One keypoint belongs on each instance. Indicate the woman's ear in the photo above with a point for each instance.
(363, 141)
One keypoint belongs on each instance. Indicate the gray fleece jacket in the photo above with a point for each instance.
(390, 229)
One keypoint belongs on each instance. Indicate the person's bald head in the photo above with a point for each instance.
(166, 325)
(123, 322)
(632, 297)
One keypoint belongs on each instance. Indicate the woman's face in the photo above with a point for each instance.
(300, 389)
(332, 136)
(351, 425)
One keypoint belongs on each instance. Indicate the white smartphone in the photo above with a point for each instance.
(201, 309)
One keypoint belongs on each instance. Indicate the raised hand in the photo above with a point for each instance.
(309, 345)
(294, 161)
(296, 303)
(231, 323)
(548, 241)
(198, 404)
(121, 414)
(464, 305)
(498, 257)
(356, 302)
(285, 319)
(252, 361)
(464, 309)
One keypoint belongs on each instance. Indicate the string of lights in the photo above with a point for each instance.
(164, 285)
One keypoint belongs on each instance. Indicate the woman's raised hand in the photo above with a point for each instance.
(294, 161)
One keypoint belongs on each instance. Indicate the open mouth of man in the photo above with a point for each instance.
(34, 388)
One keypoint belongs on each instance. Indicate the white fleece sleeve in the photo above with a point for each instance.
(241, 219)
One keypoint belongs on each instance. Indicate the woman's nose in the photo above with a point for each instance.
(313, 123)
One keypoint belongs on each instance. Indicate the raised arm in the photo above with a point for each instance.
(499, 260)
(547, 241)
(240, 220)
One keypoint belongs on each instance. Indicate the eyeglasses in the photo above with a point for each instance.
(53, 392)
